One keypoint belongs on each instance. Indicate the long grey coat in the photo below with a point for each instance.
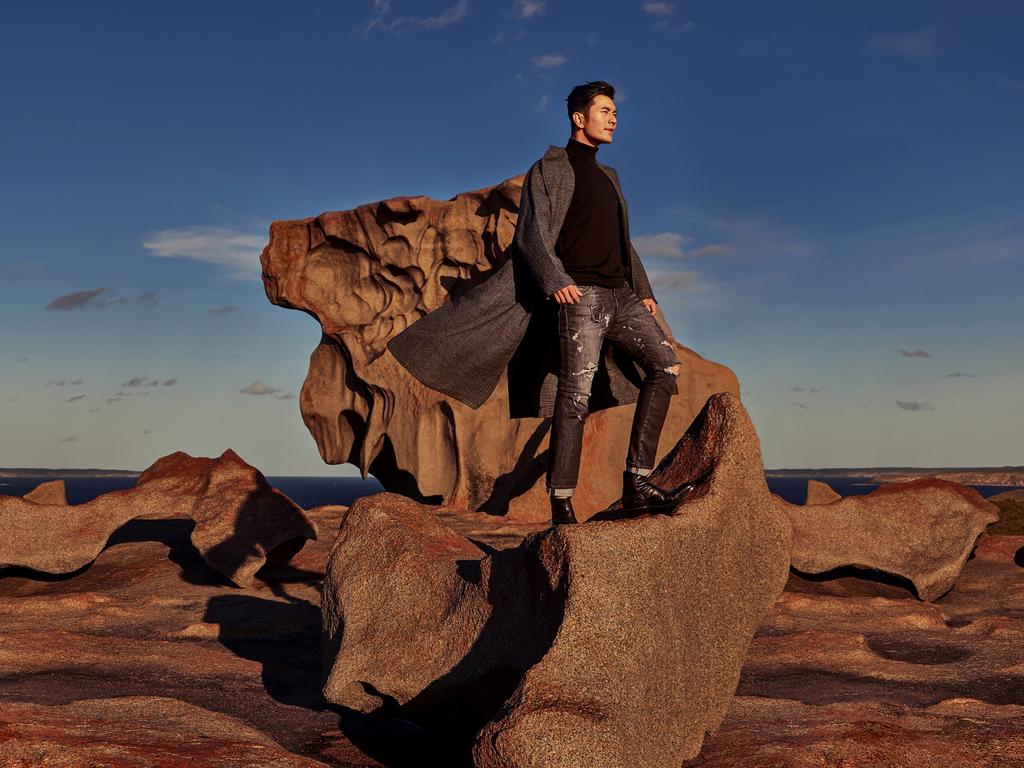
(508, 322)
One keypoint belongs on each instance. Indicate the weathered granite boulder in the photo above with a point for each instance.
(415, 614)
(922, 530)
(368, 273)
(50, 492)
(240, 520)
(618, 642)
(658, 615)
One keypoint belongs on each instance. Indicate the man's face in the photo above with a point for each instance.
(599, 120)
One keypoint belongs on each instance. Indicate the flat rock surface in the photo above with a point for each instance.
(844, 669)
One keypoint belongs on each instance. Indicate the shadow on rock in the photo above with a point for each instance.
(176, 536)
(283, 637)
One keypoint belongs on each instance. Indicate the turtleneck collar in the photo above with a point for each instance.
(578, 149)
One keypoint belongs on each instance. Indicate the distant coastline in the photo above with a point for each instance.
(36, 472)
(964, 475)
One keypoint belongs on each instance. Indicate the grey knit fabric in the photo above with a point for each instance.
(462, 348)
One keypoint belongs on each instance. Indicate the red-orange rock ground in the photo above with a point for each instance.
(148, 657)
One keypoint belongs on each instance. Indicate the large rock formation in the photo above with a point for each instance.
(240, 520)
(365, 275)
(151, 655)
(619, 642)
(923, 531)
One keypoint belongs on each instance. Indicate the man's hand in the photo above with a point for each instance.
(568, 295)
(651, 304)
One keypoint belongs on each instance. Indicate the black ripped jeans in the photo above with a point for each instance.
(618, 315)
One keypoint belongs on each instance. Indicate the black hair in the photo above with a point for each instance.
(580, 97)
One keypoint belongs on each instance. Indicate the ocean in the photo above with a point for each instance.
(316, 491)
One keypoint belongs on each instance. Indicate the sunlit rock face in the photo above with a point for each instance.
(922, 531)
(618, 642)
(365, 275)
(241, 522)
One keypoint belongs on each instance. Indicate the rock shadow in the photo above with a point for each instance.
(284, 637)
(176, 535)
(867, 582)
(528, 469)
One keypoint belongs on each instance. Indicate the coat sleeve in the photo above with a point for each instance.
(532, 234)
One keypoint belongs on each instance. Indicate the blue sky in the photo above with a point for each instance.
(828, 195)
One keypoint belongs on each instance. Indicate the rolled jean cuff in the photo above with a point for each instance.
(643, 472)
(561, 493)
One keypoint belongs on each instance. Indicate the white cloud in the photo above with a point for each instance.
(238, 251)
(667, 245)
(450, 16)
(676, 281)
(671, 245)
(549, 60)
(659, 8)
(501, 37)
(542, 103)
(258, 388)
(527, 9)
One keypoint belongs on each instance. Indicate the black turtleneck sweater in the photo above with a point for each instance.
(590, 241)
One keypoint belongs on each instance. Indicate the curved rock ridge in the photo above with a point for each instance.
(50, 492)
(618, 642)
(241, 521)
(365, 275)
(923, 531)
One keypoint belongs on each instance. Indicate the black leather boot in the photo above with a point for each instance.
(640, 495)
(562, 512)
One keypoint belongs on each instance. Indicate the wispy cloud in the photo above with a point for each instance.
(918, 44)
(667, 245)
(73, 399)
(69, 439)
(145, 381)
(507, 37)
(99, 298)
(664, 14)
(221, 310)
(287, 396)
(542, 103)
(913, 352)
(914, 405)
(258, 388)
(958, 375)
(593, 39)
(65, 383)
(379, 21)
(672, 245)
(238, 251)
(675, 281)
(658, 8)
(527, 9)
(806, 389)
(549, 60)
(799, 405)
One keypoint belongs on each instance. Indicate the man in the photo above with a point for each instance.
(571, 251)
